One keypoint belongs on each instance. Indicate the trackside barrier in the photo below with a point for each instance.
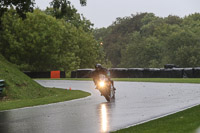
(55, 74)
(196, 72)
(48, 74)
(143, 73)
(188, 73)
(119, 72)
(2, 85)
(83, 73)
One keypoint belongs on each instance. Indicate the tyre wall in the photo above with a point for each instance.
(143, 73)
(49, 74)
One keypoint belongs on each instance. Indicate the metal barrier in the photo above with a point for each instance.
(2, 85)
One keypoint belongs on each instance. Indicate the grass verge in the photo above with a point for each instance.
(59, 95)
(187, 121)
(160, 80)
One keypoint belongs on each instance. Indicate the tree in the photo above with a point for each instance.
(62, 9)
(42, 43)
(21, 6)
(118, 36)
(141, 52)
(173, 20)
(144, 40)
(38, 43)
(83, 2)
(188, 56)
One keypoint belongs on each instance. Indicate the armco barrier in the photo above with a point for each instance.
(143, 73)
(48, 74)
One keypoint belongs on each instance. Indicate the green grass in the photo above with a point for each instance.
(187, 121)
(58, 95)
(160, 80)
(22, 91)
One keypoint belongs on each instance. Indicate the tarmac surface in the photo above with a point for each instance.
(136, 102)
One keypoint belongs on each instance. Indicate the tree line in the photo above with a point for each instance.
(57, 38)
(146, 40)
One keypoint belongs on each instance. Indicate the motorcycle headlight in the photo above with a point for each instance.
(101, 84)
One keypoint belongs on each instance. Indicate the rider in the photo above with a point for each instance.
(101, 70)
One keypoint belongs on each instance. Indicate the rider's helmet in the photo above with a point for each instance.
(98, 66)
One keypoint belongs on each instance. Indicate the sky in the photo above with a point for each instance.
(102, 13)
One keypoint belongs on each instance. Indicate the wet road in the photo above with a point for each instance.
(135, 103)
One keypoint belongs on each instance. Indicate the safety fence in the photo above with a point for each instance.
(143, 73)
(49, 74)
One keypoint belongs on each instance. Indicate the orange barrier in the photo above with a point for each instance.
(55, 74)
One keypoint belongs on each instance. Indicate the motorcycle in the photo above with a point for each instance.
(105, 87)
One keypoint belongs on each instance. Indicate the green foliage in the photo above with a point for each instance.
(38, 41)
(83, 2)
(144, 40)
(41, 42)
(21, 6)
(62, 9)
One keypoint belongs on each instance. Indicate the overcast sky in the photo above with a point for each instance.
(103, 12)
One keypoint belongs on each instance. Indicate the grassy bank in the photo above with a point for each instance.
(22, 91)
(58, 95)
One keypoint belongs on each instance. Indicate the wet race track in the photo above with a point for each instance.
(135, 103)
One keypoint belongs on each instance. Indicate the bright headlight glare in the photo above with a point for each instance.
(101, 84)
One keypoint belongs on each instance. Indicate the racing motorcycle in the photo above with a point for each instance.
(105, 87)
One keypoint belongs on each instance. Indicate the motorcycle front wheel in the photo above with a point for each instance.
(107, 97)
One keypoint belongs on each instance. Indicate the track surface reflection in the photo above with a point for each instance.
(134, 103)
